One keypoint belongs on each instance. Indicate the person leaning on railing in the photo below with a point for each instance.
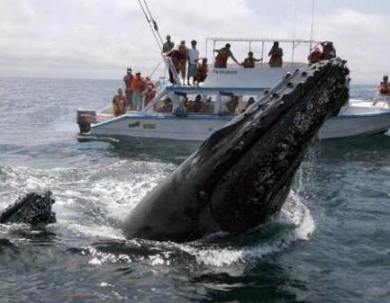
(223, 56)
(250, 61)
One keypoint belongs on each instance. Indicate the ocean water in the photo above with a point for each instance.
(330, 243)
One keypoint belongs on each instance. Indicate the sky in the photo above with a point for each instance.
(99, 38)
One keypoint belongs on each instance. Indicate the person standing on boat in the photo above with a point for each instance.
(119, 103)
(202, 71)
(223, 55)
(138, 85)
(179, 57)
(276, 54)
(128, 91)
(329, 51)
(250, 61)
(150, 93)
(193, 58)
(168, 45)
(315, 56)
(182, 59)
(384, 86)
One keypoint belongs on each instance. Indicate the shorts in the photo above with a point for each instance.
(191, 70)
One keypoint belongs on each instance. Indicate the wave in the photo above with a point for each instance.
(90, 204)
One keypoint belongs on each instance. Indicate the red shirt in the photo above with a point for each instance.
(138, 85)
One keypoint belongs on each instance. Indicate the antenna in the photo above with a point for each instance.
(294, 31)
(312, 23)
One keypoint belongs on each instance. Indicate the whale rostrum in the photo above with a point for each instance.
(241, 174)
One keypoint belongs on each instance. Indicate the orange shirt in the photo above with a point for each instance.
(315, 56)
(138, 85)
(384, 88)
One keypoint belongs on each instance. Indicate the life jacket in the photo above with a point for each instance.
(182, 55)
(119, 104)
(138, 85)
(276, 57)
(222, 57)
(315, 56)
(249, 63)
(127, 79)
(384, 88)
(201, 72)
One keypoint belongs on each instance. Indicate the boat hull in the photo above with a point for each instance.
(357, 120)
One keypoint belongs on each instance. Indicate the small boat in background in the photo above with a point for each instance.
(358, 118)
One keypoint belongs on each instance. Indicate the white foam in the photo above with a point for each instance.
(89, 200)
(294, 213)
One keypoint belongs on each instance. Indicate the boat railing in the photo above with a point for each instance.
(251, 42)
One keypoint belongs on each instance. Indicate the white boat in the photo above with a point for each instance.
(358, 118)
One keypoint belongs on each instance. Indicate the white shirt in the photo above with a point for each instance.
(193, 55)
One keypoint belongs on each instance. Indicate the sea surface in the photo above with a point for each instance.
(329, 244)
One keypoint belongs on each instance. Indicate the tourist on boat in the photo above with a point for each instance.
(174, 55)
(276, 54)
(223, 55)
(250, 61)
(193, 58)
(179, 57)
(197, 105)
(150, 93)
(128, 91)
(119, 103)
(183, 58)
(168, 45)
(202, 71)
(384, 86)
(166, 107)
(329, 51)
(138, 85)
(232, 104)
(315, 56)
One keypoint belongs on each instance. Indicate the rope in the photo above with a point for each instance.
(155, 26)
(151, 21)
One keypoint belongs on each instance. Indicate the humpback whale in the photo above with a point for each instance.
(239, 176)
(33, 208)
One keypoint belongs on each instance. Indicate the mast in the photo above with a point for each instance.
(156, 34)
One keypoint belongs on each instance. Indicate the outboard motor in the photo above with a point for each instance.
(84, 120)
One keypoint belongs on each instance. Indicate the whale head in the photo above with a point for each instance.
(241, 175)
